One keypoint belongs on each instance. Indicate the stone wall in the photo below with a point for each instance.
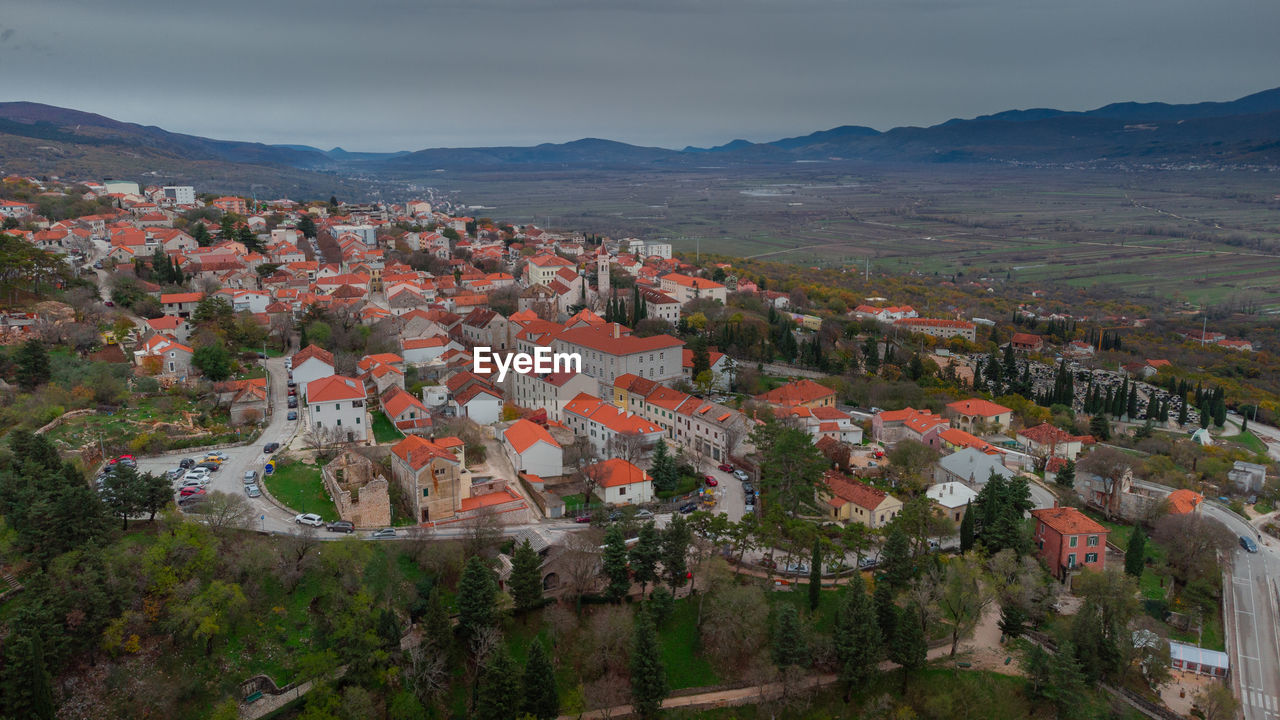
(361, 495)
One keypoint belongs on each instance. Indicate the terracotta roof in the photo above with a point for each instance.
(934, 322)
(397, 400)
(1067, 521)
(616, 472)
(181, 297)
(418, 451)
(1046, 434)
(334, 388)
(523, 434)
(1184, 501)
(796, 393)
(852, 491)
(978, 407)
(312, 351)
(601, 338)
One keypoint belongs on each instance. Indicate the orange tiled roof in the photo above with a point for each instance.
(1067, 521)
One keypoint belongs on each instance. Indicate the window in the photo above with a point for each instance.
(1071, 560)
(358, 419)
(1091, 557)
(1092, 541)
(339, 422)
(426, 492)
(337, 406)
(622, 490)
(1073, 541)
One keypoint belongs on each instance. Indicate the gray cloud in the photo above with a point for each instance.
(407, 74)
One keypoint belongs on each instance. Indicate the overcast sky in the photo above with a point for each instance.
(409, 74)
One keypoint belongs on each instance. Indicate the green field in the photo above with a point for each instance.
(383, 431)
(299, 486)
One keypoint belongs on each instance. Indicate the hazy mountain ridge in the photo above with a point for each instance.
(1242, 131)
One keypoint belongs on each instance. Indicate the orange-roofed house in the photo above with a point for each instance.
(939, 328)
(1184, 501)
(336, 404)
(311, 363)
(608, 428)
(608, 351)
(1068, 540)
(432, 474)
(532, 449)
(849, 500)
(979, 416)
(618, 482)
(406, 412)
(892, 426)
(235, 205)
(806, 393)
(180, 304)
(684, 288)
(1046, 441)
(1026, 342)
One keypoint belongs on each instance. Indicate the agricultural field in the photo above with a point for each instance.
(1176, 235)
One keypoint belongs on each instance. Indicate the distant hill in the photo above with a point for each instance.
(47, 139)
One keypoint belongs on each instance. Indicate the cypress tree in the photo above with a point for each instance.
(1182, 411)
(909, 649)
(857, 636)
(1012, 621)
(886, 612)
(895, 558)
(1135, 553)
(966, 529)
(676, 537)
(645, 554)
(476, 592)
(648, 676)
(815, 575)
(538, 685)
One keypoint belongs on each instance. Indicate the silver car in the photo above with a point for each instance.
(252, 491)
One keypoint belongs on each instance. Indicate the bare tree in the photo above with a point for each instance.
(1114, 468)
(482, 534)
(224, 511)
(580, 561)
(627, 446)
(1193, 543)
(428, 673)
(323, 438)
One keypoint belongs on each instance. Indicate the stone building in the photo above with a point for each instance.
(359, 491)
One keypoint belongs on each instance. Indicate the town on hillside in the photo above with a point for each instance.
(253, 439)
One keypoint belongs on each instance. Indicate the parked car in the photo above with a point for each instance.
(251, 477)
(195, 475)
(643, 514)
(210, 466)
(741, 475)
(582, 519)
(214, 458)
(688, 507)
(1248, 544)
(344, 526)
(308, 519)
(866, 563)
(749, 508)
(189, 491)
(193, 499)
(383, 534)
(97, 264)
(270, 447)
(292, 383)
(725, 467)
(768, 562)
(748, 489)
(615, 515)
(195, 482)
(293, 415)
(293, 401)
(186, 463)
(293, 391)
(796, 568)
(252, 491)
(711, 481)
(217, 454)
(175, 473)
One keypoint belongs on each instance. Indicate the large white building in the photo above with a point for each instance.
(549, 391)
(685, 288)
(606, 426)
(337, 402)
(608, 353)
(179, 195)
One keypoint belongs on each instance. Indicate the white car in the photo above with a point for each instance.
(741, 475)
(308, 519)
(197, 474)
(194, 483)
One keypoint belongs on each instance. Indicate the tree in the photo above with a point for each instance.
(1013, 621)
(856, 636)
(966, 529)
(538, 685)
(476, 591)
(1193, 543)
(123, 493)
(895, 558)
(213, 360)
(815, 574)
(789, 646)
(1217, 702)
(645, 554)
(790, 466)
(676, 538)
(200, 233)
(1100, 427)
(648, 675)
(999, 508)
(212, 613)
(32, 362)
(27, 689)
(224, 511)
(963, 598)
(614, 565)
(1066, 476)
(1135, 553)
(886, 612)
(909, 650)
(526, 577)
(307, 226)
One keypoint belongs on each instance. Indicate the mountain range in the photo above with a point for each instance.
(36, 138)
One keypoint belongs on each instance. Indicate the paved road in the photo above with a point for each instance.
(229, 478)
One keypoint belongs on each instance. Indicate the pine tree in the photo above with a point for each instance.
(476, 590)
(614, 564)
(645, 555)
(675, 550)
(32, 362)
(437, 628)
(1013, 620)
(498, 693)
(789, 646)
(538, 685)
(857, 636)
(886, 612)
(966, 529)
(895, 558)
(648, 676)
(1066, 476)
(1135, 553)
(815, 574)
(663, 468)
(1099, 427)
(909, 648)
(526, 577)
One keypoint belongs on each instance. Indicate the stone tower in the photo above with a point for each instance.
(602, 272)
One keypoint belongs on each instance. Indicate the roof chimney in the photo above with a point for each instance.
(617, 331)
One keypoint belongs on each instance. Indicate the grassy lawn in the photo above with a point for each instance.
(824, 618)
(1150, 585)
(1212, 637)
(383, 430)
(299, 486)
(1251, 442)
(685, 485)
(679, 639)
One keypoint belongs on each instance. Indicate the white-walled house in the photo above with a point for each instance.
(618, 482)
(532, 449)
(310, 364)
(337, 401)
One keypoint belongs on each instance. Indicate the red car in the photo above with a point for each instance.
(582, 519)
(711, 482)
(726, 467)
(189, 491)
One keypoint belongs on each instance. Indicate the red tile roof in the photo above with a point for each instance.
(616, 472)
(796, 393)
(1068, 521)
(523, 434)
(978, 407)
(334, 388)
(312, 351)
(851, 491)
